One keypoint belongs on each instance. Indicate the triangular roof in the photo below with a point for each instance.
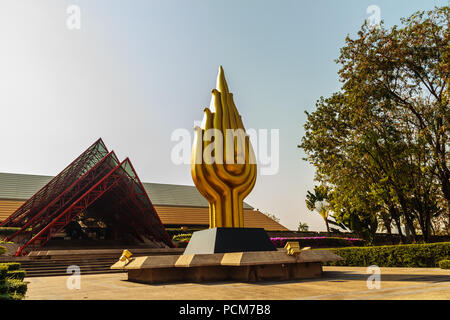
(95, 180)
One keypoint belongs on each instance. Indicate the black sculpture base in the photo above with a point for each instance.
(225, 240)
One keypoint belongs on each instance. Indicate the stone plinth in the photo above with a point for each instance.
(236, 266)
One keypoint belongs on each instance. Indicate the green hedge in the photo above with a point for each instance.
(410, 255)
(5, 296)
(16, 274)
(16, 286)
(182, 240)
(11, 281)
(444, 264)
(318, 242)
(3, 272)
(11, 265)
(177, 231)
(2, 250)
(4, 287)
(182, 237)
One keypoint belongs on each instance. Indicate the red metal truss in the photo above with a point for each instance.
(96, 182)
(62, 201)
(149, 209)
(58, 184)
(78, 206)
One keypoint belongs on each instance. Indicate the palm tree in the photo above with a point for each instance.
(317, 201)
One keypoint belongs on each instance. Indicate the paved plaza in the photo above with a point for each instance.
(338, 283)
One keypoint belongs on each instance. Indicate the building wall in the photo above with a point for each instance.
(200, 216)
(171, 215)
(7, 207)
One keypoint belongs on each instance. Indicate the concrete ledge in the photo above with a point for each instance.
(227, 259)
(199, 260)
(237, 266)
(255, 273)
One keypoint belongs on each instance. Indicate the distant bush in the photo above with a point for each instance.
(177, 231)
(7, 231)
(2, 250)
(444, 264)
(182, 240)
(182, 237)
(408, 255)
(318, 242)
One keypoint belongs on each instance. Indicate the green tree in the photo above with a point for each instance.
(381, 143)
(272, 216)
(302, 226)
(317, 201)
(404, 72)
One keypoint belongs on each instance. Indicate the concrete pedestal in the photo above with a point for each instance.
(238, 266)
(223, 240)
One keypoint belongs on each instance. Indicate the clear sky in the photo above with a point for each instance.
(138, 70)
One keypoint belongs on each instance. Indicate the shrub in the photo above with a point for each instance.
(182, 240)
(182, 237)
(2, 250)
(409, 255)
(3, 287)
(12, 289)
(11, 281)
(444, 264)
(319, 242)
(16, 286)
(16, 274)
(177, 231)
(3, 272)
(11, 265)
(5, 296)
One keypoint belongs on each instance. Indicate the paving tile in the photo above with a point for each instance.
(338, 283)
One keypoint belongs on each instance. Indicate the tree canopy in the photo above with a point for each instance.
(380, 145)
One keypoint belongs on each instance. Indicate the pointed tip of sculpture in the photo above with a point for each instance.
(221, 81)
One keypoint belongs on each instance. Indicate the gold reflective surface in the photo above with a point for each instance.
(223, 164)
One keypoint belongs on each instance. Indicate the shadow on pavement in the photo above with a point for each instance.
(330, 276)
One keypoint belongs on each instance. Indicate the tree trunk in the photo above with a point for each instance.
(399, 228)
(427, 231)
(409, 222)
(328, 227)
(409, 226)
(396, 217)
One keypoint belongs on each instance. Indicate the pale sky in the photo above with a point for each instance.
(138, 70)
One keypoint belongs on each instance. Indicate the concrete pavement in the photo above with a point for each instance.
(338, 283)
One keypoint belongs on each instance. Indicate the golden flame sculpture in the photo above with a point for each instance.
(223, 164)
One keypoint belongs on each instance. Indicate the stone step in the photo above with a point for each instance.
(52, 262)
(90, 261)
(64, 267)
(60, 273)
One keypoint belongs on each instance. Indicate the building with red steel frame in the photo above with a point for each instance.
(96, 182)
